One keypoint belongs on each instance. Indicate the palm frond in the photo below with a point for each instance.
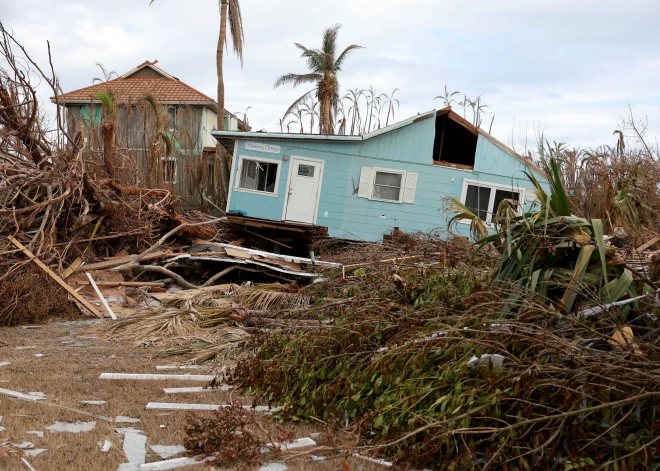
(342, 57)
(107, 99)
(235, 20)
(271, 297)
(297, 79)
(478, 229)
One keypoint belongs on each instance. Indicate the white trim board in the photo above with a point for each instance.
(200, 389)
(402, 188)
(522, 192)
(180, 406)
(156, 377)
(286, 258)
(234, 169)
(237, 182)
(182, 367)
(288, 185)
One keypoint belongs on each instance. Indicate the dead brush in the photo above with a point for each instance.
(234, 436)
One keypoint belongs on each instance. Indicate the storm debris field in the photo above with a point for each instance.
(139, 335)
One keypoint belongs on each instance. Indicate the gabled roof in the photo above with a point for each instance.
(134, 86)
(365, 137)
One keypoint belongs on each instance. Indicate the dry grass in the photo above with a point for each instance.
(69, 372)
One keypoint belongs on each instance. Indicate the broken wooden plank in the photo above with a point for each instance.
(101, 297)
(641, 248)
(199, 389)
(286, 258)
(57, 279)
(298, 443)
(237, 241)
(182, 367)
(123, 283)
(162, 465)
(180, 406)
(232, 252)
(18, 395)
(69, 271)
(122, 261)
(156, 377)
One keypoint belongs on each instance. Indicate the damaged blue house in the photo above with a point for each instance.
(363, 187)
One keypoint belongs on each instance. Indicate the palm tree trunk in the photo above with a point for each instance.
(109, 148)
(222, 154)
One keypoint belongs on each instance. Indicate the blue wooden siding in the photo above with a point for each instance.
(410, 149)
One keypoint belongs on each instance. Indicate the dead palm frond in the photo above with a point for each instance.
(478, 228)
(231, 344)
(160, 323)
(271, 296)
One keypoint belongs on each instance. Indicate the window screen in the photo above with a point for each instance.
(258, 176)
(501, 195)
(305, 170)
(387, 186)
(477, 199)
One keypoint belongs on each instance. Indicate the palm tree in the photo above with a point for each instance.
(353, 97)
(160, 143)
(230, 11)
(448, 98)
(391, 101)
(109, 117)
(324, 65)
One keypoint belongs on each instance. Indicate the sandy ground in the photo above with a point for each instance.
(64, 360)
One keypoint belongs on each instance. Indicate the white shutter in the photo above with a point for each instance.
(411, 187)
(366, 182)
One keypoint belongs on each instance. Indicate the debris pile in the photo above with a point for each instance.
(550, 355)
(102, 243)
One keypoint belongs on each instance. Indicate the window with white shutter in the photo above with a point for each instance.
(389, 185)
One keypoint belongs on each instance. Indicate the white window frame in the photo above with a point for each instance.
(164, 161)
(402, 189)
(493, 186)
(239, 170)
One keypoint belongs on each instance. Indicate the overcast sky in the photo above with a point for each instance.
(571, 67)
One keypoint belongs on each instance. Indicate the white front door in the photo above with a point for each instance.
(304, 190)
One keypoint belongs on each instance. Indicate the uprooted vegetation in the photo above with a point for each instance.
(550, 356)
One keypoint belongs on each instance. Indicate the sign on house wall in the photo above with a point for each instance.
(259, 147)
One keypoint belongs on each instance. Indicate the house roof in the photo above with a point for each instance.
(220, 135)
(165, 87)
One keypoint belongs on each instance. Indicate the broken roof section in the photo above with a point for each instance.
(444, 117)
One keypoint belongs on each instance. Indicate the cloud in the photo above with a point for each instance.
(571, 66)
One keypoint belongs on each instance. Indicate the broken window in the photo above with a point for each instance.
(387, 186)
(258, 175)
(169, 170)
(484, 199)
(455, 143)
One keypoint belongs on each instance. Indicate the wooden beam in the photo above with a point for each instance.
(69, 271)
(122, 283)
(101, 297)
(122, 261)
(641, 248)
(86, 304)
